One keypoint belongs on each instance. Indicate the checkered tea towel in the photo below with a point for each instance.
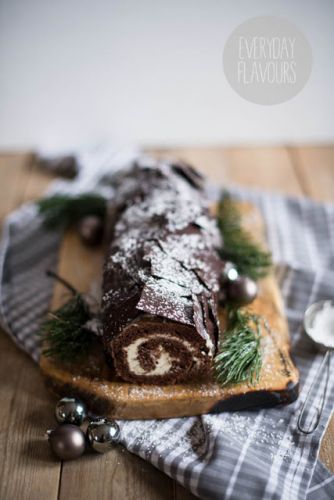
(240, 455)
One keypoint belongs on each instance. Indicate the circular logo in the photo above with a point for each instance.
(267, 60)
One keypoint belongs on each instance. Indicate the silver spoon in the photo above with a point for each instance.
(309, 412)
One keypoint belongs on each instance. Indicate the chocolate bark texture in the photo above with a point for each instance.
(161, 275)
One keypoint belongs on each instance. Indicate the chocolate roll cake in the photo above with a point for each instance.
(161, 275)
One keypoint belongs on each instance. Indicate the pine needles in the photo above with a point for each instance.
(238, 247)
(64, 210)
(63, 334)
(239, 357)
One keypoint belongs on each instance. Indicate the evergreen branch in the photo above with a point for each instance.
(64, 210)
(238, 246)
(239, 357)
(63, 335)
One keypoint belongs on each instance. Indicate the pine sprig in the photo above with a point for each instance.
(239, 357)
(238, 246)
(63, 334)
(64, 210)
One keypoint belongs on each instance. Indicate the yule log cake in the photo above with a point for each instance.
(161, 275)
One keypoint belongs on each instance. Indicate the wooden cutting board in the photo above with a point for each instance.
(94, 381)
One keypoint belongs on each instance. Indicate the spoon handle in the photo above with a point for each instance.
(307, 405)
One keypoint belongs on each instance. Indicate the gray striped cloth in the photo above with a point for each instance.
(239, 455)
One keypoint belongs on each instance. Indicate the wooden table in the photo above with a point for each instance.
(27, 468)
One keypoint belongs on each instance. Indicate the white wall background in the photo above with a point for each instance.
(76, 72)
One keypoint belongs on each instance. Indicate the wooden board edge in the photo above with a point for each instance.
(121, 401)
(103, 405)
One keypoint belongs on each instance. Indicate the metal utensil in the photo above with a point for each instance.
(309, 412)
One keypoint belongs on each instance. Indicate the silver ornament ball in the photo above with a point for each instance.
(67, 441)
(229, 272)
(242, 291)
(70, 411)
(103, 434)
(90, 230)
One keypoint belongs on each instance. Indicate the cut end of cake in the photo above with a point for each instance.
(152, 352)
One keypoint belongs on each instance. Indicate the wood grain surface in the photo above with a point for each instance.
(27, 468)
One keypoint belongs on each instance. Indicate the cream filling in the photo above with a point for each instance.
(164, 361)
(163, 365)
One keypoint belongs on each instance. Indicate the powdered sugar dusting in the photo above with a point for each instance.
(163, 246)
